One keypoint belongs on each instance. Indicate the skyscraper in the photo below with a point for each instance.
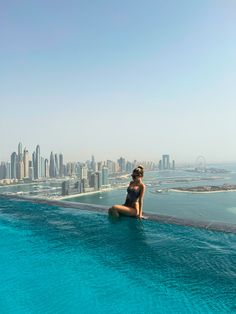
(56, 167)
(83, 172)
(61, 168)
(8, 168)
(166, 162)
(3, 171)
(33, 165)
(99, 174)
(93, 164)
(13, 165)
(20, 155)
(122, 164)
(26, 163)
(52, 166)
(20, 170)
(105, 176)
(94, 181)
(31, 171)
(46, 168)
(38, 163)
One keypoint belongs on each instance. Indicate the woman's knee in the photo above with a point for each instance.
(113, 211)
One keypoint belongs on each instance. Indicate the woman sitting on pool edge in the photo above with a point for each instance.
(133, 205)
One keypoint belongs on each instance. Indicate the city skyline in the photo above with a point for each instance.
(29, 167)
(156, 159)
(133, 78)
(21, 151)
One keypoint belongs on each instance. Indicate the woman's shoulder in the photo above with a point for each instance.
(142, 185)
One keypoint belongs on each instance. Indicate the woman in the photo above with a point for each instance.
(133, 205)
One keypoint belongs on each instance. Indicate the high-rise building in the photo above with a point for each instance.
(83, 172)
(42, 169)
(110, 166)
(8, 170)
(3, 171)
(99, 174)
(65, 187)
(105, 176)
(38, 163)
(166, 162)
(61, 168)
(122, 164)
(93, 164)
(20, 155)
(31, 171)
(20, 170)
(129, 166)
(26, 163)
(100, 165)
(33, 165)
(46, 168)
(56, 166)
(13, 165)
(52, 166)
(94, 181)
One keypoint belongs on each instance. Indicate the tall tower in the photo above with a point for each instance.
(20, 155)
(20, 164)
(56, 168)
(105, 176)
(166, 161)
(26, 163)
(122, 164)
(33, 165)
(46, 168)
(20, 170)
(37, 163)
(93, 164)
(52, 166)
(61, 172)
(83, 172)
(42, 172)
(13, 165)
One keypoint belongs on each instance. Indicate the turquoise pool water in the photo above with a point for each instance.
(64, 260)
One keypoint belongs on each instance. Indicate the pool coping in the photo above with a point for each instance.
(209, 225)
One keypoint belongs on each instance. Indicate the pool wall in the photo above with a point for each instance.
(211, 225)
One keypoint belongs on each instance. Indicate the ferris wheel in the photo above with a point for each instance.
(200, 163)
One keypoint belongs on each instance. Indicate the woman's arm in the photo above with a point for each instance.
(140, 215)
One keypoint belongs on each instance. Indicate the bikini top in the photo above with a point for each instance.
(133, 194)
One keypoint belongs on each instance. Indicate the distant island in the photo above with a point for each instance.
(208, 170)
(204, 189)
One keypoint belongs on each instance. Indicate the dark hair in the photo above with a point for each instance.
(138, 171)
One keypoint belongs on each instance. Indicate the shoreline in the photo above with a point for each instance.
(201, 192)
(88, 193)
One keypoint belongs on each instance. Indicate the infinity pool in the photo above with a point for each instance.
(64, 260)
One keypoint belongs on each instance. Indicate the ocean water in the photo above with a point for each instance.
(218, 207)
(64, 260)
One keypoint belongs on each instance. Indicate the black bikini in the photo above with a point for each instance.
(132, 196)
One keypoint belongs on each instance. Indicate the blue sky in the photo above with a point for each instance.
(111, 78)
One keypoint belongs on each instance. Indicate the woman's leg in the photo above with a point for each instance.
(116, 210)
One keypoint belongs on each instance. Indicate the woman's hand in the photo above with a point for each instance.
(142, 217)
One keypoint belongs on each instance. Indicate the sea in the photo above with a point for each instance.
(217, 207)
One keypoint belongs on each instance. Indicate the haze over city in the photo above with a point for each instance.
(119, 78)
